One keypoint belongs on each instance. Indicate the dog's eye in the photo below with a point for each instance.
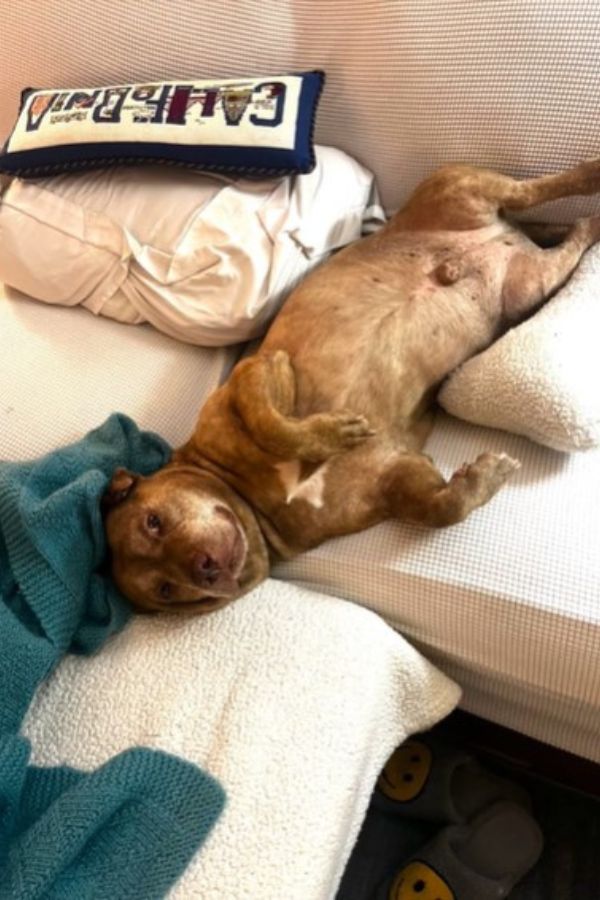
(165, 591)
(153, 522)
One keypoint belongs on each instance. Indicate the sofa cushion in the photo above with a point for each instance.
(63, 372)
(507, 601)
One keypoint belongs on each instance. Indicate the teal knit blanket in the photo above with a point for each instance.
(128, 829)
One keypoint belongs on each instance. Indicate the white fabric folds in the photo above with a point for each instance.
(206, 260)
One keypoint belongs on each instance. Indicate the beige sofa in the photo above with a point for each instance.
(507, 603)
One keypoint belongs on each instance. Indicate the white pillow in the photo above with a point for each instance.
(542, 378)
(205, 259)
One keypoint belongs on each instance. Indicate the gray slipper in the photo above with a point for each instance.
(424, 780)
(479, 861)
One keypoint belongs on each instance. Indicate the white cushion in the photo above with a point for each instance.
(206, 260)
(541, 379)
(292, 700)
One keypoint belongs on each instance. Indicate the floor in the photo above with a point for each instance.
(568, 870)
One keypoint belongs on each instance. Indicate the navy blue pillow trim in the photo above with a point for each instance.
(77, 157)
(255, 160)
(312, 87)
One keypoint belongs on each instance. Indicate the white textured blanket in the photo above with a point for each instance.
(293, 700)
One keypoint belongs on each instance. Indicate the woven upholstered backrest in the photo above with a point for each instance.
(511, 84)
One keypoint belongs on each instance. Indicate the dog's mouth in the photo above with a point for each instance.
(237, 555)
(238, 546)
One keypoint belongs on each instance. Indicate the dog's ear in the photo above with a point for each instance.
(119, 489)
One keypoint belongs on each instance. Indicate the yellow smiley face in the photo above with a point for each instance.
(406, 772)
(418, 882)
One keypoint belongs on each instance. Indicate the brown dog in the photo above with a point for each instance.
(319, 433)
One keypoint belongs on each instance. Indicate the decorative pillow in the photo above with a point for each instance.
(541, 378)
(206, 259)
(246, 125)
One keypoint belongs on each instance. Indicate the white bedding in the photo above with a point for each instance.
(293, 701)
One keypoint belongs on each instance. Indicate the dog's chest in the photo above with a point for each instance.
(299, 486)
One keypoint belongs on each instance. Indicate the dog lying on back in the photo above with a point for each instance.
(320, 433)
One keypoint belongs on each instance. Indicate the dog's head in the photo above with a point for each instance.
(181, 540)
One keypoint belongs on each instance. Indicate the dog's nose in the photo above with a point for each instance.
(206, 569)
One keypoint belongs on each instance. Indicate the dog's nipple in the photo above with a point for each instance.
(448, 272)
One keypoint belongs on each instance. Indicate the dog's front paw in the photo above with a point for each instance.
(330, 433)
(350, 429)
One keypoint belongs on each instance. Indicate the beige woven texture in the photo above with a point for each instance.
(509, 84)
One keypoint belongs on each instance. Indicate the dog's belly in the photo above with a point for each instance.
(376, 329)
(381, 356)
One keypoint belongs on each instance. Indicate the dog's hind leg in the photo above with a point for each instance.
(460, 198)
(533, 275)
(415, 491)
(544, 234)
(580, 180)
(263, 390)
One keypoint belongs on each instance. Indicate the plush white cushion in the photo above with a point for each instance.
(204, 259)
(541, 378)
(292, 700)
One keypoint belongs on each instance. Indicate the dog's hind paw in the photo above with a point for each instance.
(487, 474)
(507, 464)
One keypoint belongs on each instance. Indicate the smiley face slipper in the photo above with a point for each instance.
(423, 780)
(479, 861)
